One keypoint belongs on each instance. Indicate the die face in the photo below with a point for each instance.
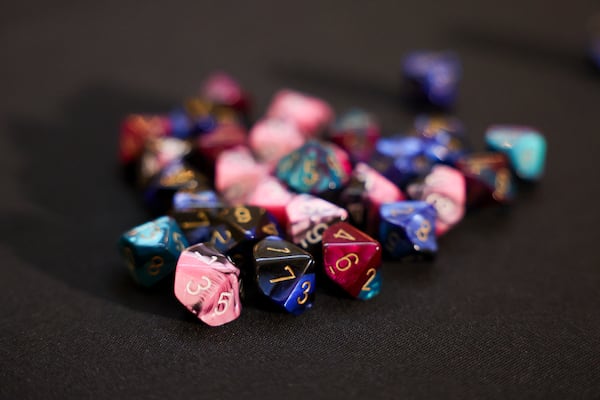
(445, 189)
(356, 132)
(151, 250)
(309, 217)
(488, 178)
(444, 138)
(225, 135)
(401, 159)
(408, 228)
(524, 147)
(281, 272)
(196, 221)
(241, 226)
(313, 168)
(206, 283)
(351, 258)
(271, 195)
(136, 129)
(181, 125)
(372, 287)
(309, 114)
(272, 139)
(237, 173)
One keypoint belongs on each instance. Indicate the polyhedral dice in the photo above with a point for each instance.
(284, 274)
(194, 211)
(136, 130)
(225, 135)
(182, 126)
(236, 229)
(151, 250)
(313, 168)
(308, 217)
(444, 138)
(401, 159)
(237, 173)
(206, 283)
(273, 196)
(351, 259)
(310, 114)
(408, 229)
(444, 188)
(433, 76)
(488, 177)
(525, 148)
(222, 89)
(356, 132)
(272, 139)
(159, 153)
(158, 194)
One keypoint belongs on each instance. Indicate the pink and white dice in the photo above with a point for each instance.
(207, 284)
(222, 89)
(310, 114)
(237, 174)
(273, 196)
(445, 189)
(271, 139)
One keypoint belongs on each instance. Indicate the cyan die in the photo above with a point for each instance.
(151, 250)
(524, 146)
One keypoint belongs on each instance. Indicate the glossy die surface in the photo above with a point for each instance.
(445, 189)
(489, 180)
(444, 137)
(273, 196)
(408, 229)
(159, 153)
(237, 173)
(401, 159)
(356, 131)
(308, 217)
(206, 283)
(285, 274)
(272, 139)
(433, 76)
(194, 211)
(351, 259)
(313, 168)
(310, 114)
(524, 146)
(151, 250)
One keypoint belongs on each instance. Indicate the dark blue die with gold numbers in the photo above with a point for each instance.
(151, 250)
(194, 212)
(408, 229)
(284, 273)
(433, 76)
(444, 138)
(401, 159)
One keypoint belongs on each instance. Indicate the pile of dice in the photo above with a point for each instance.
(300, 197)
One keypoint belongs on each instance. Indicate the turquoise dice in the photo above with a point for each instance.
(525, 148)
(151, 250)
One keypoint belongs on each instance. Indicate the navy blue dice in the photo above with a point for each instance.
(401, 159)
(194, 211)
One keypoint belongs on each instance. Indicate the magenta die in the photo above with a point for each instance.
(271, 139)
(237, 173)
(207, 284)
(273, 196)
(308, 217)
(310, 114)
(225, 135)
(356, 132)
(445, 189)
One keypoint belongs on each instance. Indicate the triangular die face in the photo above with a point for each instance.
(276, 278)
(277, 250)
(342, 232)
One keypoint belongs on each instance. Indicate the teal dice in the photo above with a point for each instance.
(151, 250)
(525, 148)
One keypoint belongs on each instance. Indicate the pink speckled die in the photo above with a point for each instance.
(237, 173)
(207, 284)
(271, 139)
(308, 217)
(378, 190)
(310, 114)
(273, 196)
(445, 189)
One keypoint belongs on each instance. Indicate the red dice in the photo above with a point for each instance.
(351, 258)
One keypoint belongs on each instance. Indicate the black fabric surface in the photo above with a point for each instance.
(508, 310)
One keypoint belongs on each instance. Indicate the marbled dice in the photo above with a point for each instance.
(356, 131)
(272, 139)
(310, 114)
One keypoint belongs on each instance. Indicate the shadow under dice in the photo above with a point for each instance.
(284, 274)
(351, 259)
(408, 229)
(308, 217)
(207, 284)
(151, 250)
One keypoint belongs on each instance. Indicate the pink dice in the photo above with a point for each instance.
(310, 114)
(237, 174)
(135, 130)
(445, 189)
(226, 135)
(273, 196)
(271, 139)
(207, 284)
(308, 217)
(351, 258)
(222, 89)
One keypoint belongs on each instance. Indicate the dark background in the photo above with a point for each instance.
(509, 310)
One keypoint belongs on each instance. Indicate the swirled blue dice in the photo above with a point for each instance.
(444, 138)
(524, 146)
(151, 250)
(401, 159)
(408, 229)
(194, 211)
